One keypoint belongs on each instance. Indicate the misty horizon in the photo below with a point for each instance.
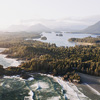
(52, 14)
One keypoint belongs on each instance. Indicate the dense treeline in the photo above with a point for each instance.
(82, 58)
(48, 58)
(86, 39)
(54, 67)
(9, 39)
(2, 70)
(28, 52)
(61, 67)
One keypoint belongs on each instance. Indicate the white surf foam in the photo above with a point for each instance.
(43, 85)
(54, 98)
(31, 78)
(8, 61)
(72, 92)
(31, 95)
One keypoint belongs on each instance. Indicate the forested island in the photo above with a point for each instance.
(48, 58)
(86, 40)
(59, 34)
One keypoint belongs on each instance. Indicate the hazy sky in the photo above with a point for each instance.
(18, 11)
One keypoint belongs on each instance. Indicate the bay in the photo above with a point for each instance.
(62, 40)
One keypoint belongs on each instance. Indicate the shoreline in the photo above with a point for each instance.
(65, 84)
(92, 81)
(71, 90)
(2, 49)
(84, 44)
(6, 62)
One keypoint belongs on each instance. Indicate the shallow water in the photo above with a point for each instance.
(7, 61)
(42, 87)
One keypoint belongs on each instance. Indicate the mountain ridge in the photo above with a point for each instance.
(93, 29)
(38, 28)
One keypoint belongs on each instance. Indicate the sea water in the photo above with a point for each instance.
(62, 40)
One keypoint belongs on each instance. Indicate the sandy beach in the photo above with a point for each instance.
(83, 43)
(93, 81)
(90, 86)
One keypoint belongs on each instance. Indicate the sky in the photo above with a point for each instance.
(49, 12)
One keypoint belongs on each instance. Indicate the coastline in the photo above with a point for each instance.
(93, 81)
(2, 49)
(69, 89)
(6, 62)
(67, 86)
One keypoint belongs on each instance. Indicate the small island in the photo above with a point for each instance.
(43, 38)
(59, 34)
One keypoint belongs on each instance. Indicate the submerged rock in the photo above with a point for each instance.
(25, 76)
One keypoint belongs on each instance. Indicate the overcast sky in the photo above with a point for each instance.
(32, 11)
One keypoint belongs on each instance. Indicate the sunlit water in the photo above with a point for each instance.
(62, 40)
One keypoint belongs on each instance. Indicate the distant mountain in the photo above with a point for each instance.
(61, 29)
(17, 28)
(93, 28)
(70, 28)
(33, 28)
(38, 28)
